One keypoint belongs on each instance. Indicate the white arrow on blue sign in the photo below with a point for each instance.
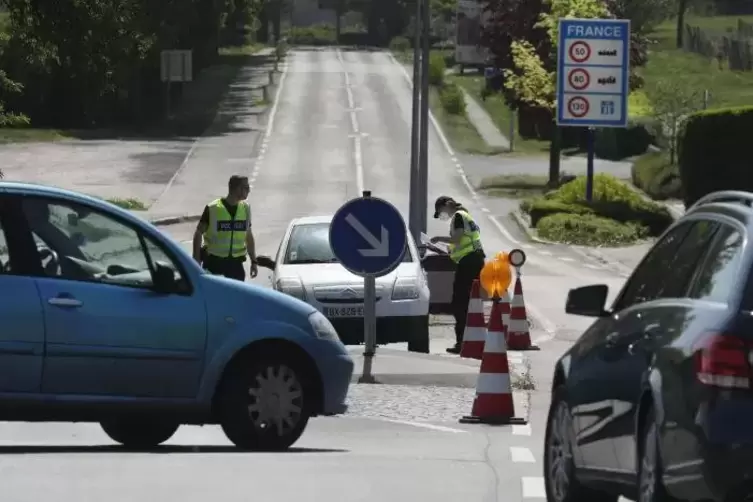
(368, 236)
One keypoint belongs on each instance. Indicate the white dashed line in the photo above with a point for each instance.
(423, 425)
(548, 253)
(521, 430)
(533, 488)
(520, 455)
(566, 258)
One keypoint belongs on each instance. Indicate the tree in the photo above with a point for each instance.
(672, 101)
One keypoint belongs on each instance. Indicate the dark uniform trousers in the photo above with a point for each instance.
(229, 267)
(468, 270)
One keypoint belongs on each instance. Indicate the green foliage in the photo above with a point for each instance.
(619, 143)
(589, 230)
(319, 34)
(437, 68)
(400, 44)
(612, 200)
(452, 99)
(530, 82)
(128, 203)
(714, 152)
(657, 176)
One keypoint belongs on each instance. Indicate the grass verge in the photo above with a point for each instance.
(461, 134)
(31, 135)
(130, 203)
(500, 114)
(515, 186)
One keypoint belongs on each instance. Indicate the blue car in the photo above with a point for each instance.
(104, 319)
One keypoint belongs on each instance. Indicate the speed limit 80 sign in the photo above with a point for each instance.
(592, 72)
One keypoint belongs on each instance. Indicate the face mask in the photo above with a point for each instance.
(444, 216)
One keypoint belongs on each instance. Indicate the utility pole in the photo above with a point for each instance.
(414, 216)
(423, 165)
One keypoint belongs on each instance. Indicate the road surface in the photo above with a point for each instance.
(340, 124)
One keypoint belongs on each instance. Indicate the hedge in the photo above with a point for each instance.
(654, 174)
(613, 200)
(619, 143)
(589, 230)
(318, 34)
(714, 152)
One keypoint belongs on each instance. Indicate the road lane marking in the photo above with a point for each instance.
(521, 430)
(424, 425)
(357, 150)
(521, 455)
(533, 488)
(566, 258)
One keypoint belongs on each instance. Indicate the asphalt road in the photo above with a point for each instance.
(341, 124)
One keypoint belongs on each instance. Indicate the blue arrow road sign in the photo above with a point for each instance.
(368, 236)
(593, 72)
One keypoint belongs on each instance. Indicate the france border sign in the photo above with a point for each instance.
(368, 236)
(593, 66)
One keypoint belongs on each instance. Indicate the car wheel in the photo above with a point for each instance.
(139, 433)
(263, 404)
(559, 469)
(419, 339)
(650, 468)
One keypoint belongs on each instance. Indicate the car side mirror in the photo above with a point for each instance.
(588, 301)
(164, 279)
(266, 262)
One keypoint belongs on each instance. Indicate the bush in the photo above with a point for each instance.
(654, 174)
(612, 200)
(437, 69)
(281, 49)
(714, 152)
(615, 143)
(589, 230)
(400, 44)
(318, 34)
(452, 99)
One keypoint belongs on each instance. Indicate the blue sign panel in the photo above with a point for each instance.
(368, 236)
(593, 70)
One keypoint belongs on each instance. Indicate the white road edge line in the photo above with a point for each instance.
(533, 488)
(548, 325)
(423, 425)
(357, 152)
(521, 455)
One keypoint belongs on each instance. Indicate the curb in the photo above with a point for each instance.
(174, 220)
(518, 217)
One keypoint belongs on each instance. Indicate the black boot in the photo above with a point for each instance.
(455, 349)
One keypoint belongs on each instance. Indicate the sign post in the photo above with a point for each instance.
(593, 73)
(175, 66)
(368, 237)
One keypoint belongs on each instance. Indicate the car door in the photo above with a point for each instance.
(591, 382)
(22, 333)
(650, 322)
(109, 332)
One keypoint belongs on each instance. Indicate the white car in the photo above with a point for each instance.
(306, 268)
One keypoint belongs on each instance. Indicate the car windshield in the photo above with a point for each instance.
(309, 243)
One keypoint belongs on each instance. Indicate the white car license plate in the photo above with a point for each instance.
(343, 311)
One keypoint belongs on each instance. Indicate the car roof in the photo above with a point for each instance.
(310, 220)
(18, 188)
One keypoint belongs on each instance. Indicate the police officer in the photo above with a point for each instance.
(466, 251)
(225, 229)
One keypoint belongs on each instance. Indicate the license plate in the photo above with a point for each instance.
(343, 311)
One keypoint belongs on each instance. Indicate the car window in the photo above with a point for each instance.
(309, 243)
(689, 256)
(79, 244)
(646, 281)
(720, 271)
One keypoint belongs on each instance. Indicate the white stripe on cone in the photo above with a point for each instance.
(476, 306)
(495, 343)
(506, 316)
(493, 383)
(517, 326)
(474, 334)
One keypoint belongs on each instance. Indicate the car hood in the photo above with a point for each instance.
(245, 299)
(334, 274)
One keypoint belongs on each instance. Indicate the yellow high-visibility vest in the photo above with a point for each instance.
(226, 235)
(469, 242)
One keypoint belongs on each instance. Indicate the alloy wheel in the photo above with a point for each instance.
(648, 466)
(276, 400)
(560, 453)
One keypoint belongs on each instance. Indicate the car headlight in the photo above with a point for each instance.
(291, 286)
(406, 288)
(322, 327)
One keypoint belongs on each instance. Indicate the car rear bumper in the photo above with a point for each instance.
(393, 329)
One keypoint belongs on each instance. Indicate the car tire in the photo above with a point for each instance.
(263, 404)
(139, 433)
(650, 465)
(419, 339)
(560, 481)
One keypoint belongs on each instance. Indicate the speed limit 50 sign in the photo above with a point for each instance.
(592, 72)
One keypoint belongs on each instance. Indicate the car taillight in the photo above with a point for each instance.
(722, 361)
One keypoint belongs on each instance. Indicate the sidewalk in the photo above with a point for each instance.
(484, 123)
(226, 148)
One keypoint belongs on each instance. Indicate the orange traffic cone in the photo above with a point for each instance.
(474, 335)
(518, 333)
(494, 402)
